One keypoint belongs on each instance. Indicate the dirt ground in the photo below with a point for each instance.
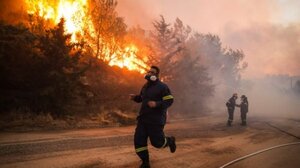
(203, 142)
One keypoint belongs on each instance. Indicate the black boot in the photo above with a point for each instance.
(244, 123)
(229, 123)
(145, 164)
(172, 144)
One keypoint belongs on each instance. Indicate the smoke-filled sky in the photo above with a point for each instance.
(268, 31)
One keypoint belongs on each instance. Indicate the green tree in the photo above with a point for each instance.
(39, 72)
(61, 67)
(224, 64)
(19, 62)
(188, 79)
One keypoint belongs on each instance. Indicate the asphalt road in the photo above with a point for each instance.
(201, 142)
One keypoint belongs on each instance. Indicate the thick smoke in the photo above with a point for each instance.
(267, 31)
(273, 96)
(270, 49)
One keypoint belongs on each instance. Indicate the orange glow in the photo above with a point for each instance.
(128, 59)
(74, 13)
(77, 21)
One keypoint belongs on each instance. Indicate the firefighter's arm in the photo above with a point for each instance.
(136, 98)
(167, 99)
(232, 103)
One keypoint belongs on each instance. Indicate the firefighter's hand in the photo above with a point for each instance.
(132, 96)
(152, 104)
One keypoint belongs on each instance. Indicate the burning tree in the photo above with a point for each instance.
(55, 56)
(96, 23)
(40, 72)
(109, 29)
(89, 60)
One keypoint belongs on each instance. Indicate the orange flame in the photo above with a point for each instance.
(75, 13)
(128, 59)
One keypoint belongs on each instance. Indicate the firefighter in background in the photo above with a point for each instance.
(155, 97)
(230, 107)
(244, 109)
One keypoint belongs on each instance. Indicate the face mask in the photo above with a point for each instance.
(151, 78)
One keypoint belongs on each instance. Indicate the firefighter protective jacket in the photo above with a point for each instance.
(244, 106)
(231, 103)
(158, 92)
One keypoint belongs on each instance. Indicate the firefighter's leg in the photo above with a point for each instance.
(158, 138)
(243, 116)
(230, 117)
(140, 142)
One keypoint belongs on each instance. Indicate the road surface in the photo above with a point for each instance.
(203, 142)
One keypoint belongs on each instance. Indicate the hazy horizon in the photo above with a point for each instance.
(267, 31)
